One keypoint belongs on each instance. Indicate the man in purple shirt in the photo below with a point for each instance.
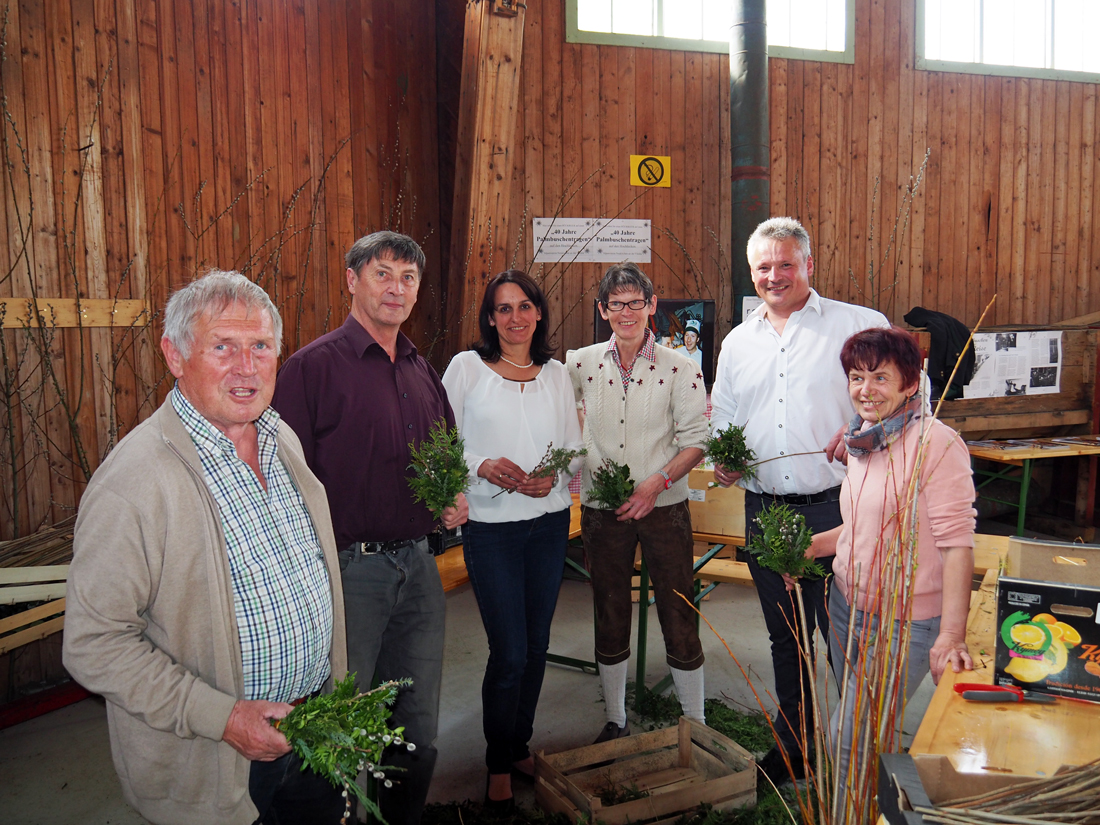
(356, 398)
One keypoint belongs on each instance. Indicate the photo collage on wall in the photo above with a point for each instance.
(685, 326)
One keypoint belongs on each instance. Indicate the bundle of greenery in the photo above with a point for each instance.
(555, 460)
(729, 449)
(342, 733)
(439, 468)
(782, 542)
(611, 485)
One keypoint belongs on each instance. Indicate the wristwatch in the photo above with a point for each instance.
(668, 479)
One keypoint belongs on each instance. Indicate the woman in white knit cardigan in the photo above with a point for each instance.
(644, 407)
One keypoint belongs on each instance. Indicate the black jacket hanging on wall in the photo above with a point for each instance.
(949, 337)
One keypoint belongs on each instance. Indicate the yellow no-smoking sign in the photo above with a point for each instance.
(650, 170)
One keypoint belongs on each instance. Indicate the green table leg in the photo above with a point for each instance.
(1025, 482)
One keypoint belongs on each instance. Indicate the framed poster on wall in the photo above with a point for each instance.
(686, 326)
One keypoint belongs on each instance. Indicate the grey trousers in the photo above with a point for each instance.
(395, 609)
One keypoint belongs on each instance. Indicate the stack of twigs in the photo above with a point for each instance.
(50, 545)
(1072, 796)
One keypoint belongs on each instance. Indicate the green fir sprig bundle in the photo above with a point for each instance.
(611, 485)
(439, 468)
(555, 460)
(340, 734)
(782, 542)
(729, 449)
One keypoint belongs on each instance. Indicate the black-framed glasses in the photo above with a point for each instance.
(619, 306)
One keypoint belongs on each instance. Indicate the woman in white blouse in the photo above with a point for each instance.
(511, 400)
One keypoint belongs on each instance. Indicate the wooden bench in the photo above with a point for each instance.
(452, 568)
(19, 585)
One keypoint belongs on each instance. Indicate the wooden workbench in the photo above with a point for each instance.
(1022, 452)
(1027, 739)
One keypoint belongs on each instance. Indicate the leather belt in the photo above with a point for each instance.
(803, 500)
(370, 548)
(301, 699)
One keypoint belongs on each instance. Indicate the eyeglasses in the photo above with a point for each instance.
(619, 306)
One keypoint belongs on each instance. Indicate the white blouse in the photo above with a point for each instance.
(516, 420)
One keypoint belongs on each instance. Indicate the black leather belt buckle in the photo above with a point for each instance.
(370, 548)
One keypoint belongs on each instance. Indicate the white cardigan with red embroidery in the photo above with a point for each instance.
(663, 412)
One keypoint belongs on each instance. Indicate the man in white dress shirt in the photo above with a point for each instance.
(779, 377)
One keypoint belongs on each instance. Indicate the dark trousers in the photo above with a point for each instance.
(665, 536)
(284, 794)
(515, 570)
(395, 607)
(793, 680)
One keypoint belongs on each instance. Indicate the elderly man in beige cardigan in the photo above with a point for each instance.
(204, 593)
(644, 407)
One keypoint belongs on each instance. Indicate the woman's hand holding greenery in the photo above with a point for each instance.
(781, 543)
(554, 461)
(611, 485)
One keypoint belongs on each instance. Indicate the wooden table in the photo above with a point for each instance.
(1027, 739)
(1021, 452)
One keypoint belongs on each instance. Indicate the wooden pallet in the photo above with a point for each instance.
(679, 768)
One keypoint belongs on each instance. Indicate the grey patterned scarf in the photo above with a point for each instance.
(880, 435)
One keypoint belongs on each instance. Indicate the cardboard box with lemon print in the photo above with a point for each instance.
(1048, 636)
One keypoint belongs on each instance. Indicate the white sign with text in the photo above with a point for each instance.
(589, 240)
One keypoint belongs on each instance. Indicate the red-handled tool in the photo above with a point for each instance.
(976, 692)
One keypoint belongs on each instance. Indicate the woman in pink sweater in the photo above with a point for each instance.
(895, 453)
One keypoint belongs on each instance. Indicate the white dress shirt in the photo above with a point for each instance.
(789, 391)
(517, 420)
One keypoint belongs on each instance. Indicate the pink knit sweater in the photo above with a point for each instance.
(877, 485)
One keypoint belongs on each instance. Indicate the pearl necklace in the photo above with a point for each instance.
(514, 364)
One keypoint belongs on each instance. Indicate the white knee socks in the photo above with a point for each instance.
(689, 687)
(613, 678)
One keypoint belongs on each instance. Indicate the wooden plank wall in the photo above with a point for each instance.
(583, 111)
(148, 140)
(1005, 204)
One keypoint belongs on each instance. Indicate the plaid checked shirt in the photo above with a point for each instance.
(648, 351)
(281, 590)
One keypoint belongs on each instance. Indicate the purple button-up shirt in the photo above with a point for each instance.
(355, 412)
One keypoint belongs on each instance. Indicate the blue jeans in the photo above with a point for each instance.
(395, 607)
(922, 635)
(515, 569)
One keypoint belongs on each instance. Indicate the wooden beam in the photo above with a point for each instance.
(18, 313)
(486, 151)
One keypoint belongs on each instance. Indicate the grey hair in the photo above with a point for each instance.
(780, 229)
(213, 292)
(400, 247)
(622, 278)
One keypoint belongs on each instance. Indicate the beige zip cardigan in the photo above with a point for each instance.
(150, 623)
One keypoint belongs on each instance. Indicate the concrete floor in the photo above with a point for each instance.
(57, 770)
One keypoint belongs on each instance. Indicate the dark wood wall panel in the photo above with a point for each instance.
(146, 141)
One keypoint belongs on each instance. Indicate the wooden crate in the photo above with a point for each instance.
(680, 768)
